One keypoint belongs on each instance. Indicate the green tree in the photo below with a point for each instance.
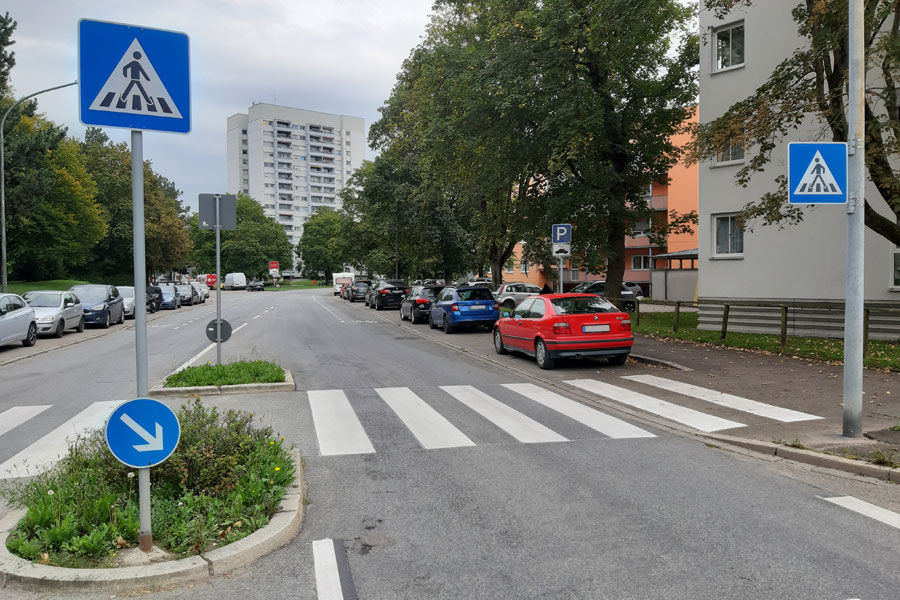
(809, 87)
(7, 56)
(246, 249)
(63, 228)
(321, 246)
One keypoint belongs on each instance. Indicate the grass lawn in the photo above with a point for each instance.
(881, 354)
(299, 284)
(257, 371)
(20, 287)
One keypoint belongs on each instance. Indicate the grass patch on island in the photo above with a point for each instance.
(257, 371)
(223, 482)
(881, 354)
(20, 287)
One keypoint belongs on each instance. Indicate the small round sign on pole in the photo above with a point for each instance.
(211, 331)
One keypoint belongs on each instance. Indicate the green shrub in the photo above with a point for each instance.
(223, 482)
(257, 371)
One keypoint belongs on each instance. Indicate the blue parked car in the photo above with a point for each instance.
(456, 307)
(103, 304)
(170, 296)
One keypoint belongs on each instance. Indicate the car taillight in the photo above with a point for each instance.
(454, 307)
(421, 300)
(625, 324)
(384, 292)
(562, 328)
(406, 291)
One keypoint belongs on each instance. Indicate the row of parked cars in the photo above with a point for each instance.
(53, 312)
(521, 319)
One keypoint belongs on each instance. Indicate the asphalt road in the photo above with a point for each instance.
(585, 516)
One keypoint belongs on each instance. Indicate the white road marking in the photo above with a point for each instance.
(191, 360)
(239, 327)
(679, 414)
(256, 317)
(870, 510)
(15, 416)
(596, 420)
(53, 446)
(523, 428)
(337, 427)
(428, 425)
(753, 407)
(328, 579)
(179, 327)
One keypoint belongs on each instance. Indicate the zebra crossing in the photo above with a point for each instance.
(449, 416)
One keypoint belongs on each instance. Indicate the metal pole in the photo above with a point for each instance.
(560, 284)
(3, 182)
(218, 286)
(853, 308)
(140, 320)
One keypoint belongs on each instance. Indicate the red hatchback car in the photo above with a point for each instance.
(565, 325)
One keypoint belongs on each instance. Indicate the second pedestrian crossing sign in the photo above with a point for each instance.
(817, 173)
(133, 77)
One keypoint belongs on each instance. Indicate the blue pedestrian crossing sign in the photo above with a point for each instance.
(133, 77)
(142, 433)
(817, 173)
(562, 233)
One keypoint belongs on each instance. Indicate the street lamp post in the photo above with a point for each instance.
(3, 182)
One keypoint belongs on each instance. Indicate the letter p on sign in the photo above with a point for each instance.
(562, 233)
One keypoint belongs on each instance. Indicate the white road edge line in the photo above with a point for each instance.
(870, 510)
(328, 579)
(191, 360)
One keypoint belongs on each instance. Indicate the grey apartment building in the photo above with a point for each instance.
(804, 262)
(292, 161)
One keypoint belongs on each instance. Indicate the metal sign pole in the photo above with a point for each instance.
(560, 284)
(856, 230)
(140, 319)
(218, 284)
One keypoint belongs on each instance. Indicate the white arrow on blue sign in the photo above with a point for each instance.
(129, 437)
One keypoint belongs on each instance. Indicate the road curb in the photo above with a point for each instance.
(658, 362)
(810, 457)
(215, 390)
(284, 525)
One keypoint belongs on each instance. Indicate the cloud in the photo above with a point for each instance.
(338, 56)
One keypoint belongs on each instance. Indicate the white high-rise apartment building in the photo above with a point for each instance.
(292, 161)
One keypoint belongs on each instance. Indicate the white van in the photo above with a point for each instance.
(235, 281)
(339, 279)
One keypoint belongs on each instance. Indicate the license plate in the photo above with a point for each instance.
(594, 328)
(396, 292)
(477, 307)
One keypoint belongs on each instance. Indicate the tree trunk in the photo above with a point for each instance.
(615, 271)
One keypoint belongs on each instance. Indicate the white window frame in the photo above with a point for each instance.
(726, 157)
(715, 47)
(715, 242)
(642, 262)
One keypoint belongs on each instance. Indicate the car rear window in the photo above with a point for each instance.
(395, 283)
(479, 293)
(582, 305)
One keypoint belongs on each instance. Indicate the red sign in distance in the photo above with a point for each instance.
(211, 280)
(273, 264)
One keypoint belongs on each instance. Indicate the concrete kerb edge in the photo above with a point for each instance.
(284, 525)
(769, 448)
(658, 362)
(214, 390)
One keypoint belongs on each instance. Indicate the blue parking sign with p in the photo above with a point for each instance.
(562, 233)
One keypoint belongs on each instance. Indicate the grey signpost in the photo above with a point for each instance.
(561, 236)
(218, 211)
(119, 86)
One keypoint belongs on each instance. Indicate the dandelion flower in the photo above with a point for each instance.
(277, 468)
(180, 503)
(271, 442)
(131, 475)
(50, 492)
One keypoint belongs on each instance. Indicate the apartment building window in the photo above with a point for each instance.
(729, 46)
(346, 133)
(269, 185)
(348, 163)
(268, 164)
(243, 131)
(268, 144)
(734, 152)
(896, 268)
(523, 266)
(269, 206)
(728, 235)
(244, 151)
(270, 196)
(269, 133)
(640, 263)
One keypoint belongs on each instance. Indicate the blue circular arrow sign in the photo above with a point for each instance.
(142, 433)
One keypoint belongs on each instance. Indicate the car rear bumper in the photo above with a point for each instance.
(389, 301)
(611, 347)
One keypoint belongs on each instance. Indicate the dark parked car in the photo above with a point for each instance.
(456, 307)
(357, 291)
(154, 298)
(256, 286)
(187, 293)
(170, 296)
(386, 293)
(417, 304)
(102, 304)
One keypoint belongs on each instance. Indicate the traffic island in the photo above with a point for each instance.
(232, 378)
(229, 494)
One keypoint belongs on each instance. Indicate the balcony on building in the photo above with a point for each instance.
(284, 165)
(285, 176)
(283, 134)
(283, 124)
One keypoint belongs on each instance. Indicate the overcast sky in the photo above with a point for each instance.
(337, 56)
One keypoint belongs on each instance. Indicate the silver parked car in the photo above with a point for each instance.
(127, 292)
(55, 311)
(202, 291)
(16, 321)
(509, 295)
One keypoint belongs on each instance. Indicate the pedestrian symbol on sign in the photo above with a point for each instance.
(818, 179)
(134, 87)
